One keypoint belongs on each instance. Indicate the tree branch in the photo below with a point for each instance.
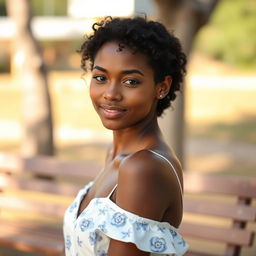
(203, 8)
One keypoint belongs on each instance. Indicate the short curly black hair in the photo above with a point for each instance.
(151, 38)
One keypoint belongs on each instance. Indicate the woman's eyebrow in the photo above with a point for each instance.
(100, 68)
(131, 71)
(126, 72)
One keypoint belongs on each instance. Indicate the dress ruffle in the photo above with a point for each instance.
(102, 217)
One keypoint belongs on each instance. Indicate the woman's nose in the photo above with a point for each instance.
(112, 92)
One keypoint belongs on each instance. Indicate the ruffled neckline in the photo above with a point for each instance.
(83, 192)
(106, 217)
(134, 216)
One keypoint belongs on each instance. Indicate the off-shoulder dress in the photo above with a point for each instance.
(89, 233)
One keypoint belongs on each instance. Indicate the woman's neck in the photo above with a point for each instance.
(132, 139)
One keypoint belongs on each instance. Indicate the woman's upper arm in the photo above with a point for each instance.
(138, 191)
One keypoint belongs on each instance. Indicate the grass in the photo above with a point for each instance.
(242, 130)
(226, 147)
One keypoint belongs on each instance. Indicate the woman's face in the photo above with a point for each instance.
(122, 87)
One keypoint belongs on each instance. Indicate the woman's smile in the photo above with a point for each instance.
(112, 111)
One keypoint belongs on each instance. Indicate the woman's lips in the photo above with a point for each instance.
(112, 112)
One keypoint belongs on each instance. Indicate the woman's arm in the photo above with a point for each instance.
(141, 190)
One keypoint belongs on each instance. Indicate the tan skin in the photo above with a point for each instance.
(125, 96)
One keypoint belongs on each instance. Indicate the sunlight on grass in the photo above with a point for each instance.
(239, 130)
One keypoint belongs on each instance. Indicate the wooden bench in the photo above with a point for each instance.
(217, 209)
(34, 193)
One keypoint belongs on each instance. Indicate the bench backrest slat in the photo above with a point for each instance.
(219, 234)
(50, 231)
(38, 185)
(49, 166)
(27, 205)
(220, 209)
(239, 186)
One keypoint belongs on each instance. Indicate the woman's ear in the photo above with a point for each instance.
(163, 87)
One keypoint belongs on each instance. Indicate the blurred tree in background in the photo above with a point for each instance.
(231, 34)
(30, 70)
(185, 18)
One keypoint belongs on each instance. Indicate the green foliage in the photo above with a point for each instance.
(2, 8)
(231, 34)
(42, 7)
(49, 7)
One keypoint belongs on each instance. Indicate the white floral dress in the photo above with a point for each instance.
(89, 234)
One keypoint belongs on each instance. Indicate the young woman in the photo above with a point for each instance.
(134, 206)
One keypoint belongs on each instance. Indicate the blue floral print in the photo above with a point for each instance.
(68, 242)
(102, 227)
(141, 226)
(157, 244)
(126, 234)
(97, 201)
(173, 233)
(102, 253)
(94, 237)
(72, 207)
(103, 219)
(79, 242)
(102, 211)
(86, 224)
(118, 219)
(182, 242)
(162, 229)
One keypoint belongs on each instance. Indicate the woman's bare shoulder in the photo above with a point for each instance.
(148, 164)
(144, 185)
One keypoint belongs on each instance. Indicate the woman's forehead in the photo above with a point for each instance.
(114, 47)
(120, 52)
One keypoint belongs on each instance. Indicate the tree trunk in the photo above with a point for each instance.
(29, 68)
(185, 18)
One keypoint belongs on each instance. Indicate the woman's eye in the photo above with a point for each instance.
(131, 82)
(99, 78)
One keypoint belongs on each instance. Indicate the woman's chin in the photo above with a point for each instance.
(113, 125)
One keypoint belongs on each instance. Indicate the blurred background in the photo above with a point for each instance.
(215, 120)
(44, 102)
